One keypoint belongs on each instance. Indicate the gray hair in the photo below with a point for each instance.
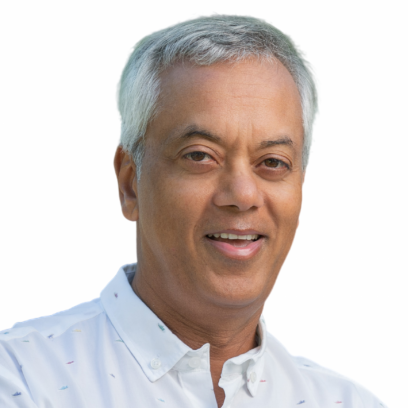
(205, 41)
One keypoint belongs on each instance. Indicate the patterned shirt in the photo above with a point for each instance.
(114, 352)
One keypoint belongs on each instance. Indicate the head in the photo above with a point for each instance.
(217, 116)
(204, 42)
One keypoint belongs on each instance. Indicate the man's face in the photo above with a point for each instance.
(223, 159)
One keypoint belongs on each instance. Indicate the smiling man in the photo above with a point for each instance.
(217, 117)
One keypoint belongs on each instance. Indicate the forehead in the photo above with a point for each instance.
(256, 97)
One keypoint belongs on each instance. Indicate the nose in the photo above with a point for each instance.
(238, 189)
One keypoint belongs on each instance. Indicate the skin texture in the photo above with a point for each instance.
(224, 153)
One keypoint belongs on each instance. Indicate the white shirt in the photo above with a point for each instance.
(114, 352)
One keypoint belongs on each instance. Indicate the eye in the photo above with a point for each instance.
(275, 163)
(198, 156)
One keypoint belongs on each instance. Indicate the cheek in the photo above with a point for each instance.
(285, 203)
(171, 204)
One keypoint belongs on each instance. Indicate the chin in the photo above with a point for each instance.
(238, 291)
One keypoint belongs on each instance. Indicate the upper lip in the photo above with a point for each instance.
(236, 232)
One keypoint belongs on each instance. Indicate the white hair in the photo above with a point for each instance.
(205, 41)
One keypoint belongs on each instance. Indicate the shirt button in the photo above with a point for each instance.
(155, 363)
(252, 377)
(194, 362)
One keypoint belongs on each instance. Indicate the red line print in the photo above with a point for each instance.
(70, 362)
(338, 402)
(263, 380)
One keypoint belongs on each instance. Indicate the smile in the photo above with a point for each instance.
(236, 246)
(234, 236)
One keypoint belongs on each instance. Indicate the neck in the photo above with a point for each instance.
(224, 327)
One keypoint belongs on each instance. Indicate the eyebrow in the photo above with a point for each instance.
(285, 140)
(194, 131)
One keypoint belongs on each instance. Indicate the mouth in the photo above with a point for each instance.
(241, 246)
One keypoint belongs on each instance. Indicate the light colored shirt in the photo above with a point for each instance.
(114, 352)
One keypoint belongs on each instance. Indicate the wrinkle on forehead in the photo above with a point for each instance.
(241, 99)
(182, 76)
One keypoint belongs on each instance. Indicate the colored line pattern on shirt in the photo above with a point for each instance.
(338, 402)
(51, 336)
(301, 402)
(113, 375)
(161, 327)
(6, 332)
(116, 295)
(162, 400)
(25, 341)
(16, 394)
(70, 362)
(64, 387)
(77, 330)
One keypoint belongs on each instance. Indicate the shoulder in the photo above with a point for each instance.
(54, 325)
(320, 380)
(33, 349)
(318, 376)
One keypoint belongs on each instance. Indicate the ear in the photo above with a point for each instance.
(303, 180)
(125, 170)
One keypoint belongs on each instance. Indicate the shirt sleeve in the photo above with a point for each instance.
(14, 391)
(369, 399)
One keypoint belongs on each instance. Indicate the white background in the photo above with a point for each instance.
(341, 298)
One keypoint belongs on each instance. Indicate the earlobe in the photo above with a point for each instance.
(127, 182)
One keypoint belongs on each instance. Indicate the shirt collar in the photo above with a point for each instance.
(250, 364)
(155, 347)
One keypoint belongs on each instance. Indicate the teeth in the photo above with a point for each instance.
(234, 236)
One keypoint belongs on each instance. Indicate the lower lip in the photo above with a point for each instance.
(242, 254)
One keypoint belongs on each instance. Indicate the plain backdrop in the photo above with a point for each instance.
(341, 298)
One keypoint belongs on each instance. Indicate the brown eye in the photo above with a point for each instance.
(197, 156)
(273, 163)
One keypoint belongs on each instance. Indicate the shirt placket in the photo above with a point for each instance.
(232, 380)
(195, 378)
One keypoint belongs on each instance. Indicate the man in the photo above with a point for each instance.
(217, 116)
